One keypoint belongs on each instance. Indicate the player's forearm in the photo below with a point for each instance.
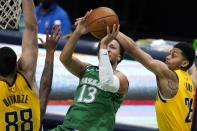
(133, 49)
(103, 46)
(105, 41)
(128, 44)
(109, 82)
(46, 82)
(29, 42)
(29, 15)
(47, 75)
(43, 102)
(66, 54)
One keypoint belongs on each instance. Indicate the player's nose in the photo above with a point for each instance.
(167, 58)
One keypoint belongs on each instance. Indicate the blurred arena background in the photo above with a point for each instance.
(173, 20)
(155, 25)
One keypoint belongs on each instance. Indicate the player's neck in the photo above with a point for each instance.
(9, 79)
(114, 67)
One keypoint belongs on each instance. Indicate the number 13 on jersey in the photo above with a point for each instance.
(91, 93)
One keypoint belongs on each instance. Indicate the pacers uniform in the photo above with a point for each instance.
(93, 108)
(176, 114)
(20, 109)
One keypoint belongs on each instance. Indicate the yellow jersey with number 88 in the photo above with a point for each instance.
(20, 108)
(176, 114)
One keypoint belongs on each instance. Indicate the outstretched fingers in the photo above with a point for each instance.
(108, 30)
(82, 19)
(87, 14)
(115, 30)
(42, 42)
(47, 31)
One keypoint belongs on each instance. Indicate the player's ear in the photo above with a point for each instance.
(185, 63)
(119, 58)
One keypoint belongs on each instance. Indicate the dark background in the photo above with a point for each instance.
(144, 18)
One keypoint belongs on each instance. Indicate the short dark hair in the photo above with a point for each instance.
(187, 51)
(8, 60)
(122, 51)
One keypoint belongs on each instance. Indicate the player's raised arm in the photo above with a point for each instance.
(74, 65)
(47, 74)
(28, 61)
(111, 80)
(156, 66)
(159, 68)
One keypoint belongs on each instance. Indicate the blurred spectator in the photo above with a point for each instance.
(49, 12)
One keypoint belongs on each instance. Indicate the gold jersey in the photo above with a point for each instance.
(20, 108)
(176, 114)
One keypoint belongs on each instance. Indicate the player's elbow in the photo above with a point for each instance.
(65, 60)
(107, 80)
(106, 83)
(42, 112)
(31, 27)
(111, 85)
(62, 59)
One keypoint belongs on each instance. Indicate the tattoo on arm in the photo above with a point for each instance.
(172, 88)
(45, 83)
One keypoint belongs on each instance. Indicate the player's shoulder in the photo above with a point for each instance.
(120, 74)
(123, 78)
(124, 83)
(22, 78)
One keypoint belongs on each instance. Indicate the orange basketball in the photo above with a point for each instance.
(99, 19)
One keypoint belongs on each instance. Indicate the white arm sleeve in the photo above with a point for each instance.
(109, 81)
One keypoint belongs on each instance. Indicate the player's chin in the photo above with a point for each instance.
(168, 65)
(112, 62)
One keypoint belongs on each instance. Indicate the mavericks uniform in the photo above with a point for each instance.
(176, 114)
(93, 109)
(20, 109)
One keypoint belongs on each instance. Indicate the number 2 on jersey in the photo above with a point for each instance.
(188, 103)
(91, 94)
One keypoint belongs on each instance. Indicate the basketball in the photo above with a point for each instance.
(99, 19)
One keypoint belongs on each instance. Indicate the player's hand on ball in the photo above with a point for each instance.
(110, 35)
(81, 25)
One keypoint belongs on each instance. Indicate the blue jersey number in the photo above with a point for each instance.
(11, 118)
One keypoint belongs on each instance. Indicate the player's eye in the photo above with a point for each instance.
(174, 54)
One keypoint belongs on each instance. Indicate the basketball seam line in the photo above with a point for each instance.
(100, 18)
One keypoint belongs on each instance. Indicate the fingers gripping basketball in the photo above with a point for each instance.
(99, 19)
